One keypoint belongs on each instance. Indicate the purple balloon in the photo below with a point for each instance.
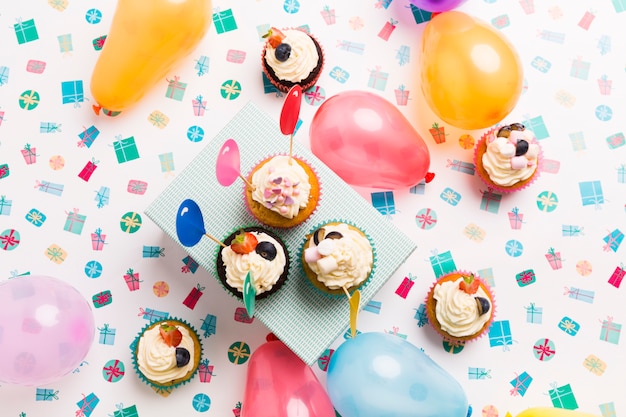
(46, 329)
(437, 5)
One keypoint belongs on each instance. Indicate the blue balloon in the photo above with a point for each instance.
(189, 223)
(383, 375)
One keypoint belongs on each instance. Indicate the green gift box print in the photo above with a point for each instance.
(224, 21)
(126, 150)
(563, 397)
(26, 31)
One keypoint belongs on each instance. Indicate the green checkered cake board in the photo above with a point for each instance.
(305, 320)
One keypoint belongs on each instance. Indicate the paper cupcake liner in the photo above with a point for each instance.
(432, 320)
(481, 148)
(233, 292)
(339, 293)
(309, 83)
(278, 221)
(164, 389)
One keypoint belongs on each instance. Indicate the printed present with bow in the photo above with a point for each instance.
(403, 55)
(621, 174)
(132, 280)
(378, 79)
(450, 196)
(610, 331)
(373, 306)
(474, 232)
(199, 105)
(534, 314)
(554, 259)
(501, 21)
(613, 240)
(419, 188)
(209, 325)
(405, 286)
(125, 411)
(544, 350)
(586, 20)
(101, 299)
(328, 15)
(605, 85)
(137, 187)
(237, 410)
(579, 294)
(461, 166)
(72, 92)
(158, 119)
(324, 360)
(594, 364)
(107, 335)
(47, 187)
(74, 222)
(88, 170)
(175, 89)
(125, 149)
(29, 99)
(86, 405)
(616, 140)
(114, 372)
(384, 202)
(5, 206)
(35, 66)
(490, 201)
(239, 352)
(478, 373)
(421, 316)
(402, 95)
(26, 31)
(442, 263)
(608, 409)
(339, 74)
(520, 384)
(152, 251)
(65, 43)
(571, 230)
(241, 316)
(87, 136)
(205, 371)
(29, 154)
(537, 126)
(314, 94)
(552, 36)
(235, 56)
(580, 69)
(387, 29)
(193, 296)
(56, 254)
(98, 239)
(4, 75)
(578, 141)
(190, 265)
(167, 161)
(569, 326)
(35, 217)
(202, 65)
(438, 133)
(224, 21)
(591, 193)
(619, 5)
(515, 218)
(98, 43)
(230, 89)
(420, 15)
(500, 334)
(46, 394)
(268, 87)
(486, 275)
(152, 314)
(563, 397)
(102, 196)
(5, 171)
(617, 276)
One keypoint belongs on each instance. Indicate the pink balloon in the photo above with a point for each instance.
(227, 167)
(279, 383)
(46, 329)
(368, 142)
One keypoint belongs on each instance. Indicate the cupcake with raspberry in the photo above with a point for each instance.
(507, 158)
(460, 307)
(166, 354)
(338, 258)
(290, 57)
(285, 191)
(256, 251)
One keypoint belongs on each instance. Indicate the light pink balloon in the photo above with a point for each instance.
(279, 383)
(227, 166)
(368, 142)
(46, 329)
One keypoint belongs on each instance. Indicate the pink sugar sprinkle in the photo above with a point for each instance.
(277, 180)
(295, 191)
(287, 182)
(276, 190)
(283, 209)
(289, 200)
(267, 193)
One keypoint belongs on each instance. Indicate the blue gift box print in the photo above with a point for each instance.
(384, 202)
(500, 334)
(72, 92)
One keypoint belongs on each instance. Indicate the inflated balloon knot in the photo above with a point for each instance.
(96, 109)
(429, 177)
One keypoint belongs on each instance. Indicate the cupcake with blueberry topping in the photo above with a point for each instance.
(290, 57)
(166, 354)
(460, 307)
(507, 159)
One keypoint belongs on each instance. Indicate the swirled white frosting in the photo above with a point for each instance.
(352, 255)
(282, 187)
(302, 60)
(264, 273)
(157, 360)
(497, 160)
(456, 310)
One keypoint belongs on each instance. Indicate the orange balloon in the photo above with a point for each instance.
(471, 76)
(145, 40)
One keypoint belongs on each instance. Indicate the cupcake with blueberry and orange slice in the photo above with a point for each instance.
(166, 354)
(292, 57)
(460, 307)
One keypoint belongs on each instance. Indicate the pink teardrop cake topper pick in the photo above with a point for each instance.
(290, 113)
(228, 164)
